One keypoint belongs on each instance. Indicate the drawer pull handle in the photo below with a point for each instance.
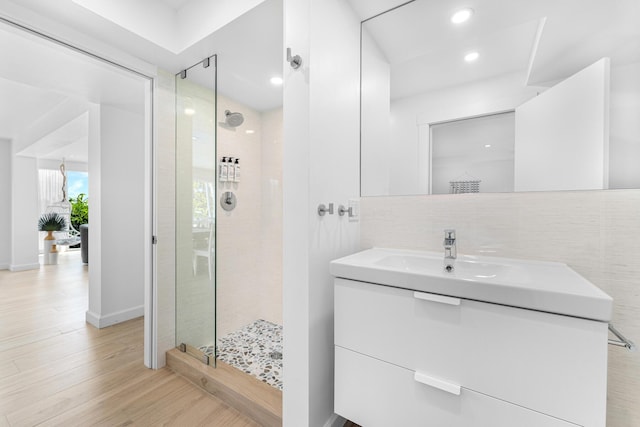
(437, 298)
(436, 383)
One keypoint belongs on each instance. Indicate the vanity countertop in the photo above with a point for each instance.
(536, 285)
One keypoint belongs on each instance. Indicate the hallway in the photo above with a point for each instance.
(55, 369)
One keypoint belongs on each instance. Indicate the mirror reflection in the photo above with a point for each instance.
(505, 96)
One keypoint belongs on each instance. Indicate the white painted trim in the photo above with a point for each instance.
(92, 319)
(150, 283)
(114, 318)
(23, 267)
(4, 266)
(335, 421)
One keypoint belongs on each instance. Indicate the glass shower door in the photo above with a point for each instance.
(195, 209)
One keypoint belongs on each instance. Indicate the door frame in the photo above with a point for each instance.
(150, 208)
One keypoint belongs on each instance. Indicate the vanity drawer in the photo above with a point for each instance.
(373, 393)
(550, 363)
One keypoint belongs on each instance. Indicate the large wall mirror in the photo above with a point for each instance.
(520, 96)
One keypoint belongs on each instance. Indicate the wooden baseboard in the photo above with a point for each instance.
(247, 394)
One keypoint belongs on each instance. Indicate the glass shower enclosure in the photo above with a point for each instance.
(196, 97)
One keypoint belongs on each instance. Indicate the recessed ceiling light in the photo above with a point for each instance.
(189, 111)
(471, 56)
(487, 145)
(276, 81)
(249, 131)
(461, 16)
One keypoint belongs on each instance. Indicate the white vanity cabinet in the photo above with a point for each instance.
(413, 358)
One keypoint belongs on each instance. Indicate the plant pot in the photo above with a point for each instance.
(48, 244)
(53, 256)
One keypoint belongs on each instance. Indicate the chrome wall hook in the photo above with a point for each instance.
(322, 209)
(342, 210)
(295, 61)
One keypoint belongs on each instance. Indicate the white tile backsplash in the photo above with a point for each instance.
(597, 233)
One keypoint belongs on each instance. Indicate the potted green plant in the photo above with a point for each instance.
(50, 222)
(79, 211)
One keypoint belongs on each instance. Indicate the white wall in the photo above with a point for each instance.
(116, 233)
(409, 151)
(69, 165)
(94, 309)
(24, 213)
(375, 161)
(321, 129)
(624, 139)
(459, 153)
(5, 203)
(408, 156)
(562, 135)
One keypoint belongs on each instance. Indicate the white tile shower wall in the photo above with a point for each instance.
(597, 233)
(249, 269)
(271, 216)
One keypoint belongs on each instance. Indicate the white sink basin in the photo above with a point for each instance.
(465, 267)
(537, 285)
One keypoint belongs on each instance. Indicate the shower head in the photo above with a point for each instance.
(233, 119)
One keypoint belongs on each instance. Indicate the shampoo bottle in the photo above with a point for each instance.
(232, 170)
(224, 170)
(236, 167)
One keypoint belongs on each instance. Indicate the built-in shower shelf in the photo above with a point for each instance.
(247, 394)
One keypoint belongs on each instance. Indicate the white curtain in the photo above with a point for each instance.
(50, 188)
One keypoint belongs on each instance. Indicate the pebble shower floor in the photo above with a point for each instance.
(255, 349)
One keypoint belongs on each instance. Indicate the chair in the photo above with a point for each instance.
(69, 236)
(205, 252)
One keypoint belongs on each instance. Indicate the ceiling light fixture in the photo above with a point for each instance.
(250, 131)
(487, 145)
(189, 111)
(461, 16)
(471, 56)
(276, 81)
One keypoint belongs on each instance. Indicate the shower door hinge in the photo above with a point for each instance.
(154, 240)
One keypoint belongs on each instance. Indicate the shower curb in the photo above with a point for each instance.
(250, 396)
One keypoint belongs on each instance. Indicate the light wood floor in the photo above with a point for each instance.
(57, 370)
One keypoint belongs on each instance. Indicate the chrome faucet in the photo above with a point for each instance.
(450, 252)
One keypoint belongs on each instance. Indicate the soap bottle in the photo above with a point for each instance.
(236, 176)
(224, 170)
(232, 170)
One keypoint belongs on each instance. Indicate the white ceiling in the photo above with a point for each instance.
(365, 9)
(38, 78)
(45, 91)
(175, 4)
(543, 40)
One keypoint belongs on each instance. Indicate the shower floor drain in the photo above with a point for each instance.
(276, 355)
